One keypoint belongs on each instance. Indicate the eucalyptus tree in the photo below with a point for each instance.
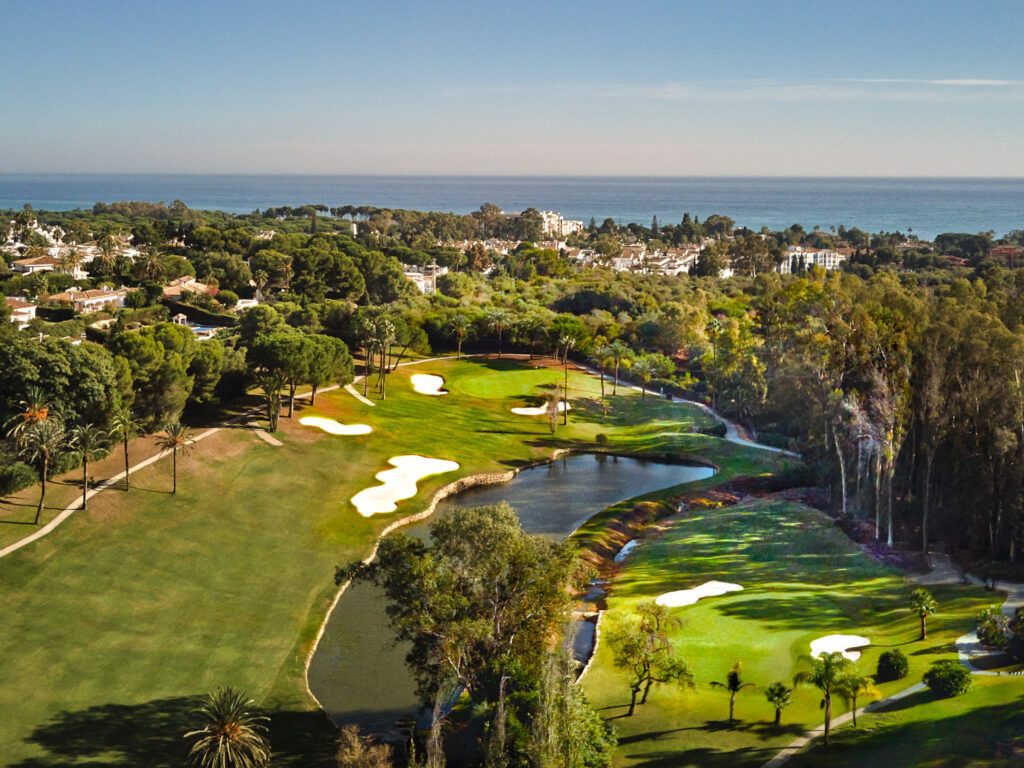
(733, 684)
(87, 442)
(41, 444)
(231, 733)
(175, 439)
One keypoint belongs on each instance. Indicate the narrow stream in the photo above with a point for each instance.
(359, 674)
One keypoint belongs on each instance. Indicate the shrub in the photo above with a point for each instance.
(718, 430)
(992, 627)
(601, 438)
(227, 298)
(16, 476)
(947, 679)
(892, 665)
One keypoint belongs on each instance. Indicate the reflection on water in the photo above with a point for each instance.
(359, 674)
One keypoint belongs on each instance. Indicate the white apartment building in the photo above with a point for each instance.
(554, 225)
(811, 257)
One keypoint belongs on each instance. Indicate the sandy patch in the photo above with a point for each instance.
(691, 596)
(540, 410)
(398, 483)
(335, 427)
(840, 644)
(428, 384)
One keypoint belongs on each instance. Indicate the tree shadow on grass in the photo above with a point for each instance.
(151, 735)
(701, 758)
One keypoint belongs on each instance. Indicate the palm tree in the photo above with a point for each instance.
(601, 356)
(923, 604)
(86, 441)
(69, 260)
(232, 734)
(567, 343)
(107, 245)
(460, 327)
(856, 685)
(175, 439)
(152, 267)
(828, 675)
(497, 320)
(33, 408)
(779, 696)
(620, 353)
(40, 444)
(123, 427)
(733, 684)
(644, 369)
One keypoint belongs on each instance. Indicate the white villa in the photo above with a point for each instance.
(21, 311)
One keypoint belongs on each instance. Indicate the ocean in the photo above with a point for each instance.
(925, 206)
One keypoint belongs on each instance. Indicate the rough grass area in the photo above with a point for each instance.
(116, 622)
(802, 579)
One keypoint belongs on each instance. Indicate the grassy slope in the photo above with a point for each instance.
(115, 622)
(802, 579)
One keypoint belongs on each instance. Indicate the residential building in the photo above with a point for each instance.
(554, 224)
(21, 311)
(94, 300)
(803, 257)
(425, 277)
(45, 263)
(173, 289)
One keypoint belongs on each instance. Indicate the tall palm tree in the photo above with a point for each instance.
(174, 439)
(856, 685)
(460, 327)
(601, 355)
(779, 696)
(40, 444)
(566, 343)
(733, 684)
(497, 320)
(232, 734)
(33, 408)
(923, 604)
(123, 427)
(620, 353)
(828, 674)
(644, 369)
(87, 441)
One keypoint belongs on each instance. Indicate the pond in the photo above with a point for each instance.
(359, 674)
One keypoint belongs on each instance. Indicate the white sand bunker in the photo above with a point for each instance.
(398, 483)
(428, 384)
(838, 644)
(691, 596)
(335, 427)
(540, 410)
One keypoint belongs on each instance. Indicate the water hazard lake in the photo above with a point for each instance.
(359, 674)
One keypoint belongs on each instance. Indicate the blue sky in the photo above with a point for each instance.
(860, 87)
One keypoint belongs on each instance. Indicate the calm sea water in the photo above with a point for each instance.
(926, 206)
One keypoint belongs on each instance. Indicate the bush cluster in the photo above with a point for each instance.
(948, 679)
(892, 665)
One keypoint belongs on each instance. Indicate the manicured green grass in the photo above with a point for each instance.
(802, 579)
(113, 624)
